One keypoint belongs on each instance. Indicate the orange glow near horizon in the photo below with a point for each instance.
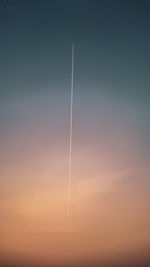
(109, 194)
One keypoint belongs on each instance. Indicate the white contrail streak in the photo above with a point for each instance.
(70, 135)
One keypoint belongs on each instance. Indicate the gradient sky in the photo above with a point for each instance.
(110, 194)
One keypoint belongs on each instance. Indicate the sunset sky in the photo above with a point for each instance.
(110, 191)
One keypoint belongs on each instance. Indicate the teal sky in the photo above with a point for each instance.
(111, 128)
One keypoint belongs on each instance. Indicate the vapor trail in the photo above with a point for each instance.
(70, 135)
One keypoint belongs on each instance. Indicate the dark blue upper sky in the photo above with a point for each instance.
(111, 37)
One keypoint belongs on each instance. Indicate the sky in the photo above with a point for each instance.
(110, 191)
